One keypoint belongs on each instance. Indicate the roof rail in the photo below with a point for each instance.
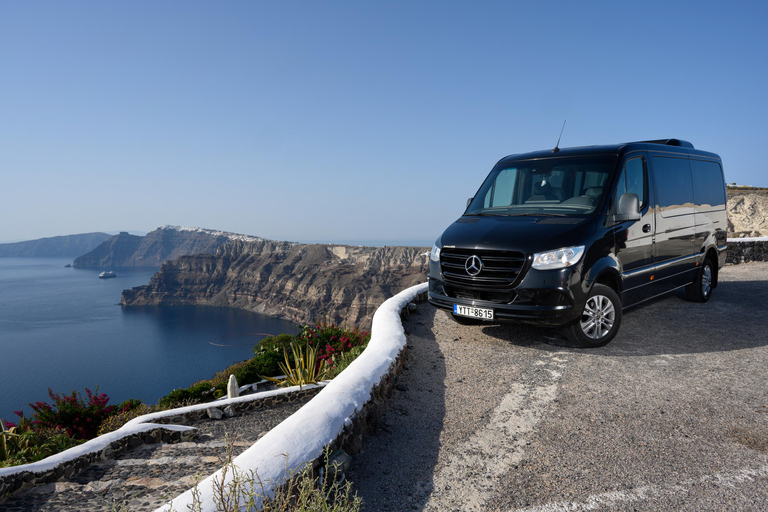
(669, 142)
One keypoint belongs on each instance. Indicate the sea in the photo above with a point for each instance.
(64, 329)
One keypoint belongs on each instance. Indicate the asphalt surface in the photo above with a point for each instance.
(671, 415)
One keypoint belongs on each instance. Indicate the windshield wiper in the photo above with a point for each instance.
(537, 215)
(485, 214)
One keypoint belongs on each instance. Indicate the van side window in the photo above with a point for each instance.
(708, 189)
(674, 187)
(633, 180)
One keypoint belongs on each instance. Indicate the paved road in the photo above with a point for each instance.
(672, 415)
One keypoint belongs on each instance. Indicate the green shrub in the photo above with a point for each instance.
(129, 404)
(266, 364)
(274, 344)
(267, 358)
(339, 362)
(117, 420)
(200, 392)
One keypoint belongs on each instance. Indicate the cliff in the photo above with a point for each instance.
(53, 247)
(299, 282)
(747, 212)
(164, 243)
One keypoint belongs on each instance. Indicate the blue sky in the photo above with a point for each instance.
(347, 121)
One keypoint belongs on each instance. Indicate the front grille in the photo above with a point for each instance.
(501, 269)
(484, 295)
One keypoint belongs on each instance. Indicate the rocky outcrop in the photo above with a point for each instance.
(53, 247)
(299, 282)
(747, 212)
(164, 243)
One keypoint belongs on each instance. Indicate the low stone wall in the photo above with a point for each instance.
(217, 412)
(365, 422)
(347, 410)
(744, 252)
(25, 479)
(17, 481)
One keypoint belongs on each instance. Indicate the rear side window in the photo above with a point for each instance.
(708, 183)
(674, 188)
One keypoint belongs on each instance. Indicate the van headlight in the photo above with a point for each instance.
(434, 254)
(560, 258)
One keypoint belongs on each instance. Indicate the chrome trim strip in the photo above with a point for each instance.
(648, 268)
(675, 261)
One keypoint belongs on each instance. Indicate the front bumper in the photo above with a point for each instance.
(550, 297)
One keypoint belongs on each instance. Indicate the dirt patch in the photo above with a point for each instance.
(751, 440)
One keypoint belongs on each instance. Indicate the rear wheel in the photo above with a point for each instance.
(700, 290)
(600, 319)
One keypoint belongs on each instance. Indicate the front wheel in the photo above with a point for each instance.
(700, 290)
(600, 319)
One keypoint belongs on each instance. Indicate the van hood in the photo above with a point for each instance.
(524, 234)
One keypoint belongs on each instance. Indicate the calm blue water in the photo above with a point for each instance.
(64, 328)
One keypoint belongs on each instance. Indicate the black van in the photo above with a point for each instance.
(570, 236)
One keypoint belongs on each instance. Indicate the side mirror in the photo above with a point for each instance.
(468, 201)
(628, 208)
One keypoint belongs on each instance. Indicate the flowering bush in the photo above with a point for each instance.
(78, 417)
(330, 340)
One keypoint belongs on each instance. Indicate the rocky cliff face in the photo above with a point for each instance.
(299, 282)
(164, 243)
(53, 247)
(748, 212)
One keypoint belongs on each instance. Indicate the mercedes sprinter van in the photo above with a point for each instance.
(569, 237)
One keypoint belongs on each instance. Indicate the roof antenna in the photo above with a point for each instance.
(557, 146)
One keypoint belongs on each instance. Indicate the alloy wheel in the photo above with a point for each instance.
(706, 280)
(598, 317)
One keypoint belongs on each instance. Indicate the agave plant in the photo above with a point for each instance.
(307, 370)
(8, 441)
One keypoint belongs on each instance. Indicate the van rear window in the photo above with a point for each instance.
(708, 183)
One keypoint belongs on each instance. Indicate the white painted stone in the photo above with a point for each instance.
(233, 390)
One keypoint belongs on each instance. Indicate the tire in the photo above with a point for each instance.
(700, 290)
(465, 320)
(600, 320)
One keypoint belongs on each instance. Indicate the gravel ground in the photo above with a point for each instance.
(672, 415)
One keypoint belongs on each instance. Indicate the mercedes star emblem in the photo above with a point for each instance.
(473, 265)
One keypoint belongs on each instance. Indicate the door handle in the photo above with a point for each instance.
(647, 228)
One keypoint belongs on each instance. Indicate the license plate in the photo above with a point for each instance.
(473, 312)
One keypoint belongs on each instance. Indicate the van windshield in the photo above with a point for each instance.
(549, 186)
